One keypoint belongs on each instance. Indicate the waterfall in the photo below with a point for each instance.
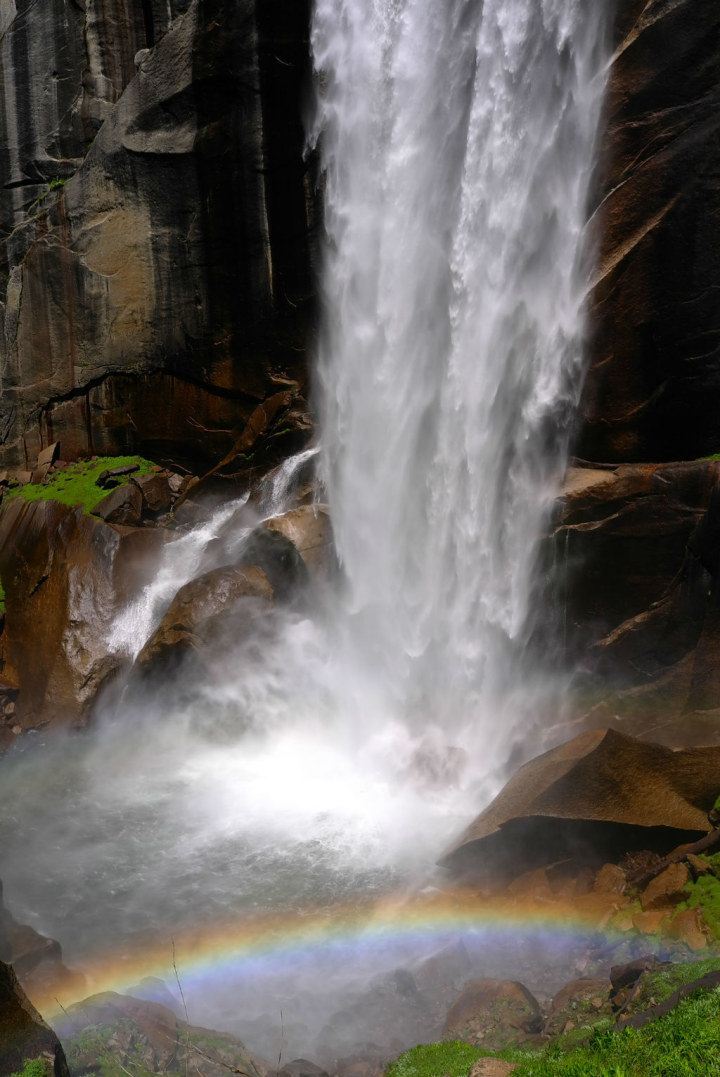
(456, 140)
(345, 741)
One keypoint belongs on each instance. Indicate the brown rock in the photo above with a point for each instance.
(308, 528)
(492, 1067)
(123, 505)
(157, 493)
(493, 1014)
(652, 383)
(47, 457)
(689, 926)
(667, 888)
(198, 612)
(611, 879)
(134, 315)
(149, 1037)
(602, 791)
(698, 866)
(65, 573)
(24, 1036)
(531, 885)
(650, 922)
(581, 1002)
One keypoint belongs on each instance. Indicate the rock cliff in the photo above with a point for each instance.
(156, 218)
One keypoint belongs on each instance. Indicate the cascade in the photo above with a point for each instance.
(338, 753)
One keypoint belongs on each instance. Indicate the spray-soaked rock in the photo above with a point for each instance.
(147, 1036)
(65, 574)
(581, 1002)
(592, 799)
(24, 1036)
(494, 1014)
(204, 613)
(308, 528)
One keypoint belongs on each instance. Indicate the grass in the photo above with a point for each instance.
(704, 894)
(76, 484)
(685, 1043)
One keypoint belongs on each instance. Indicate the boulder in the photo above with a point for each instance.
(666, 889)
(601, 793)
(579, 1003)
(494, 1014)
(36, 959)
(65, 574)
(689, 926)
(611, 879)
(148, 1037)
(158, 492)
(308, 528)
(123, 505)
(24, 1036)
(279, 558)
(200, 612)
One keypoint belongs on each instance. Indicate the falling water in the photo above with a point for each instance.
(457, 142)
(337, 750)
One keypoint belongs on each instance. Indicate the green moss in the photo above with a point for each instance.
(704, 894)
(35, 1068)
(76, 484)
(685, 1043)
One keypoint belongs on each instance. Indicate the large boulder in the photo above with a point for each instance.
(65, 574)
(132, 1034)
(156, 266)
(494, 1014)
(36, 959)
(602, 793)
(24, 1036)
(209, 608)
(309, 528)
(655, 376)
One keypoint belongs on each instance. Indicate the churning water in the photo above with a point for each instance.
(336, 753)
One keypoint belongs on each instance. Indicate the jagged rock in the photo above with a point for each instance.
(24, 1036)
(123, 505)
(611, 879)
(36, 959)
(201, 612)
(157, 492)
(49, 455)
(65, 573)
(655, 374)
(581, 1002)
(279, 558)
(165, 274)
(494, 1014)
(599, 793)
(148, 1036)
(689, 926)
(667, 888)
(308, 528)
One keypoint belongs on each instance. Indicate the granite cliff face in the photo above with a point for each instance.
(156, 218)
(652, 389)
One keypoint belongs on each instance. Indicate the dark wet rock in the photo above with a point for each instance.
(279, 558)
(158, 492)
(655, 374)
(308, 528)
(148, 1036)
(157, 215)
(109, 478)
(122, 505)
(579, 1003)
(65, 574)
(36, 959)
(220, 602)
(494, 1014)
(24, 1036)
(601, 793)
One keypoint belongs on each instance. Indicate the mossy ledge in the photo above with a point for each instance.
(76, 484)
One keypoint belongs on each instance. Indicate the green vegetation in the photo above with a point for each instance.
(685, 1043)
(36, 1068)
(704, 894)
(77, 483)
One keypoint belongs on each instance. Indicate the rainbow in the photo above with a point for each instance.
(265, 942)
